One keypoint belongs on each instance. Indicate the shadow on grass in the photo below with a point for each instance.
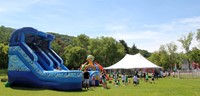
(69, 90)
(41, 89)
(26, 88)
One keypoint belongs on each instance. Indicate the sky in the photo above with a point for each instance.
(145, 23)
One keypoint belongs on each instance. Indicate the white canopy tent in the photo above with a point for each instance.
(133, 61)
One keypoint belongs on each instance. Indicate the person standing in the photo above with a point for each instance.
(135, 80)
(152, 78)
(104, 81)
(147, 77)
(86, 79)
(123, 78)
(93, 81)
(126, 81)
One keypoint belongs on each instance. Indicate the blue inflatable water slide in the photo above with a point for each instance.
(33, 63)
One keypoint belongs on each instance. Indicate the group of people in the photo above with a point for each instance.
(124, 79)
(86, 80)
(136, 79)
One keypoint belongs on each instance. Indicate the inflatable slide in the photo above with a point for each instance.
(33, 63)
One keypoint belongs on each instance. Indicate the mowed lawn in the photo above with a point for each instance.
(163, 87)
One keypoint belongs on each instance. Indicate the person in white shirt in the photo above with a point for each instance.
(135, 80)
(123, 78)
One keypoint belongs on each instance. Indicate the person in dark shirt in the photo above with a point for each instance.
(86, 79)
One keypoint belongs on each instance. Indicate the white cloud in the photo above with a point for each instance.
(190, 20)
(152, 36)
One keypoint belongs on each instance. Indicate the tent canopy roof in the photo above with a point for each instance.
(133, 61)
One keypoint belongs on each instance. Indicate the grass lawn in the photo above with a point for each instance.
(163, 87)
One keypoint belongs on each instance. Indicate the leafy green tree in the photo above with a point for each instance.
(3, 55)
(74, 56)
(109, 52)
(5, 33)
(134, 49)
(58, 46)
(106, 50)
(68, 40)
(145, 53)
(186, 42)
(126, 48)
(198, 36)
(166, 56)
(159, 59)
(171, 49)
(82, 41)
(194, 54)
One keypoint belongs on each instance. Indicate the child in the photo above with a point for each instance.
(147, 77)
(115, 78)
(93, 81)
(104, 81)
(152, 79)
(123, 78)
(135, 80)
(126, 80)
(117, 83)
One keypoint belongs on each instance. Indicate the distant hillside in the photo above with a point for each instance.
(60, 39)
(5, 33)
(64, 38)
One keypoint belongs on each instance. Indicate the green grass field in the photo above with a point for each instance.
(162, 87)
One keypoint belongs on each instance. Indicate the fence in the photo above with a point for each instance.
(183, 74)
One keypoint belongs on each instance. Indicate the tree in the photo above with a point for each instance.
(110, 51)
(159, 58)
(68, 40)
(106, 50)
(5, 33)
(171, 49)
(3, 55)
(74, 56)
(186, 42)
(145, 53)
(198, 36)
(58, 46)
(126, 48)
(82, 41)
(164, 57)
(134, 50)
(194, 54)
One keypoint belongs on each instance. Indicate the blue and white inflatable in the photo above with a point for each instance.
(33, 63)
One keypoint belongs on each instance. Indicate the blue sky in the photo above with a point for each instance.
(147, 23)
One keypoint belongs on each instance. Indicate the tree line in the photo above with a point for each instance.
(74, 50)
(107, 50)
(168, 57)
